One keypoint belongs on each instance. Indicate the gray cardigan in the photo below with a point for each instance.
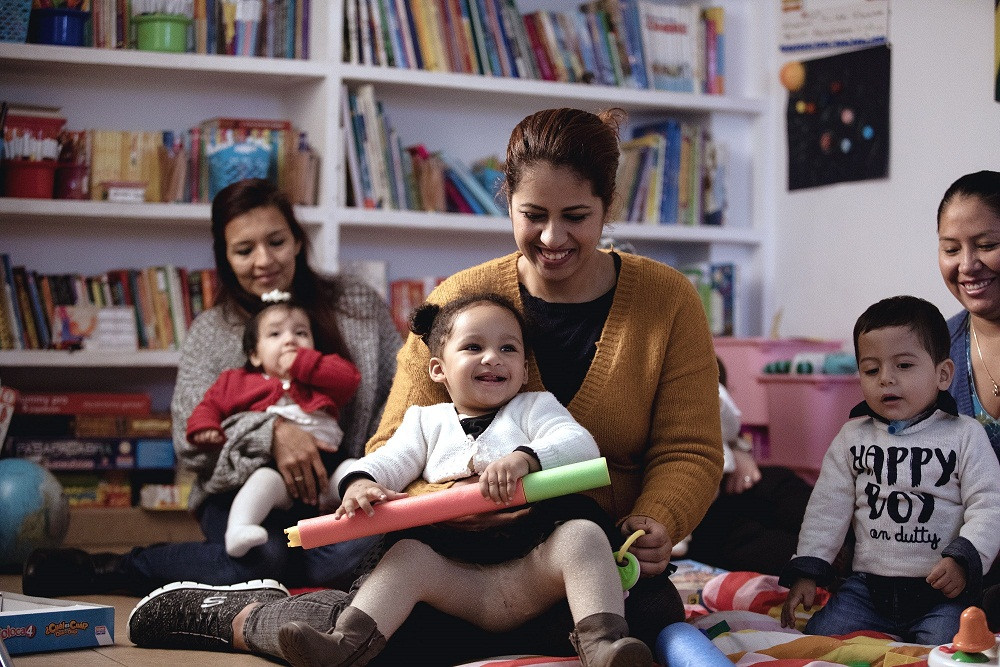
(213, 345)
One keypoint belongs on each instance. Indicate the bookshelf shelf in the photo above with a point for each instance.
(15, 210)
(88, 359)
(546, 93)
(90, 62)
(355, 218)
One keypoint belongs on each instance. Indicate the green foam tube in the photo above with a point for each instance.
(571, 478)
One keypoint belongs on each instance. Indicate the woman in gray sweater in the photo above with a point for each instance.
(258, 247)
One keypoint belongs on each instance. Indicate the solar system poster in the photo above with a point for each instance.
(996, 50)
(838, 118)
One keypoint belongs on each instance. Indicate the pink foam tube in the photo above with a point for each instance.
(444, 505)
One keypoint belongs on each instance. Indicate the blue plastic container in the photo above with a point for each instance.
(57, 25)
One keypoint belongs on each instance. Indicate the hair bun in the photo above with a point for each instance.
(422, 319)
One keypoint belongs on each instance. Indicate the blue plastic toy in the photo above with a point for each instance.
(683, 645)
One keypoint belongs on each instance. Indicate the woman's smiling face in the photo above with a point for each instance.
(558, 222)
(969, 255)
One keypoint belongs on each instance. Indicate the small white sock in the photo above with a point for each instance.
(263, 491)
(241, 539)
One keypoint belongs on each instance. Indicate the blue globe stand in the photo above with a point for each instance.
(683, 645)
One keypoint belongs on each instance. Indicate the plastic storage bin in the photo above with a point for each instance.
(32, 179)
(805, 412)
(57, 25)
(744, 359)
(161, 32)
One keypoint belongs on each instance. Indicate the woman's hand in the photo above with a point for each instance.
(802, 592)
(296, 454)
(652, 550)
(361, 494)
(747, 473)
(499, 479)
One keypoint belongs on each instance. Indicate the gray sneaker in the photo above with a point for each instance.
(189, 615)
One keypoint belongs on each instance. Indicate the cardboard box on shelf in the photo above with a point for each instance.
(35, 625)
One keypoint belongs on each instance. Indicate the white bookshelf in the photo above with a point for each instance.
(467, 115)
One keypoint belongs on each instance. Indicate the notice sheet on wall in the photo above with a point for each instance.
(826, 24)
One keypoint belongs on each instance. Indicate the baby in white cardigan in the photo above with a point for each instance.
(522, 562)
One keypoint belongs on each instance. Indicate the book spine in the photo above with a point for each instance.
(15, 306)
(24, 302)
(69, 403)
(545, 70)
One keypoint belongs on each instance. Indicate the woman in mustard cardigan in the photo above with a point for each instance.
(620, 339)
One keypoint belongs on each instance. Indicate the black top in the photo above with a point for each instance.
(564, 337)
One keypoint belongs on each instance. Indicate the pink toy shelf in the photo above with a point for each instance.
(744, 359)
(805, 412)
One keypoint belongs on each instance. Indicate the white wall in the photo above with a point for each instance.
(840, 248)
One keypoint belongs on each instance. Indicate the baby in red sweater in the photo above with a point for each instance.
(284, 375)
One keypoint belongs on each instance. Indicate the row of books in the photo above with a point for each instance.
(149, 308)
(267, 28)
(168, 166)
(192, 165)
(629, 43)
(384, 174)
(673, 172)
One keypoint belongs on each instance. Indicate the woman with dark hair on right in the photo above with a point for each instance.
(620, 340)
(259, 246)
(968, 226)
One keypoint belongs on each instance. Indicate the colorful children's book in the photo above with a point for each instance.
(669, 34)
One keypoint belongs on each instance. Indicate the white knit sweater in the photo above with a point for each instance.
(431, 443)
(908, 495)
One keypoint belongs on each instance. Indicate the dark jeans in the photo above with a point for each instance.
(854, 608)
(754, 531)
(207, 562)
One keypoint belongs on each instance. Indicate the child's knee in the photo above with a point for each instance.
(411, 552)
(579, 534)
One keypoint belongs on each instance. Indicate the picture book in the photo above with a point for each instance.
(691, 577)
(669, 40)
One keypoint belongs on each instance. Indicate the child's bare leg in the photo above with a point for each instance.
(263, 491)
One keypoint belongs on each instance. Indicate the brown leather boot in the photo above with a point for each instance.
(355, 640)
(601, 640)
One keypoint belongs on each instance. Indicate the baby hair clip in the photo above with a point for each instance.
(275, 296)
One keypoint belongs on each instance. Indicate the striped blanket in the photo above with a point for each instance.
(744, 623)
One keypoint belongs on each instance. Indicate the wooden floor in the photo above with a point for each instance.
(123, 652)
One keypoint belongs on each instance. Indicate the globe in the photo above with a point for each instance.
(34, 511)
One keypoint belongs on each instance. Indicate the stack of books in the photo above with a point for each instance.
(100, 446)
(673, 172)
(41, 311)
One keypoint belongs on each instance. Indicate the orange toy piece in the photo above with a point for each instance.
(973, 635)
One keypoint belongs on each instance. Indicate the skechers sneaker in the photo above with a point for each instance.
(188, 615)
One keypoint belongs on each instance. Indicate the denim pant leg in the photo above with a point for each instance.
(207, 562)
(849, 610)
(939, 625)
